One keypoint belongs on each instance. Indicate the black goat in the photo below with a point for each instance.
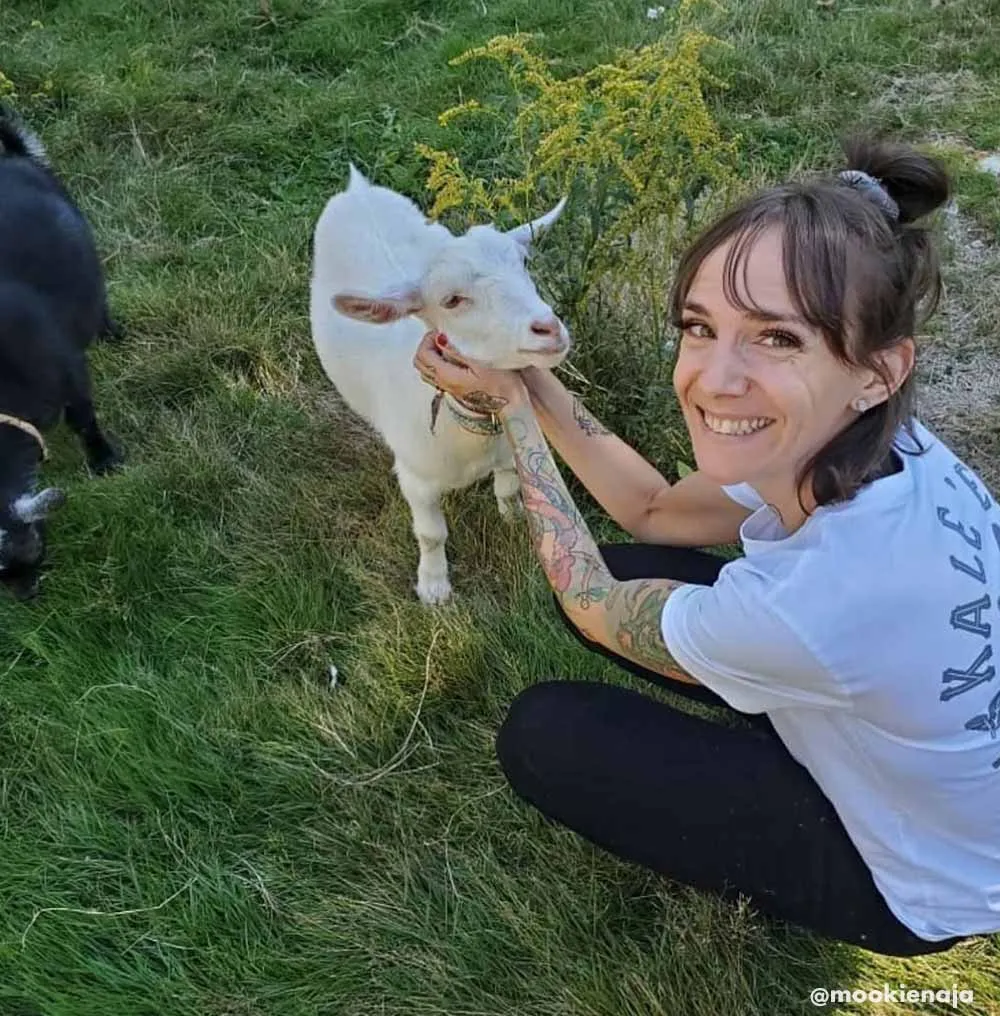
(53, 304)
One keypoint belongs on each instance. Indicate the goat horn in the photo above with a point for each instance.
(527, 233)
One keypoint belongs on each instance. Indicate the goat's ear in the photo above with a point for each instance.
(382, 309)
(530, 231)
(36, 507)
(355, 177)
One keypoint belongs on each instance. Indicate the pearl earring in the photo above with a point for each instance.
(860, 405)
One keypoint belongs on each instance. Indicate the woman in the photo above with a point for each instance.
(862, 801)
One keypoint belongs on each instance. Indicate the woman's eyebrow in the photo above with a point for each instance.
(757, 313)
(762, 314)
(696, 308)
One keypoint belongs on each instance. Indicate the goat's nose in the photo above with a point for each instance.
(547, 326)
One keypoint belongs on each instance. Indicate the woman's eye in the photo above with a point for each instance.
(781, 340)
(451, 302)
(696, 329)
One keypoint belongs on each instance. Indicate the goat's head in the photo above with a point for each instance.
(22, 540)
(477, 291)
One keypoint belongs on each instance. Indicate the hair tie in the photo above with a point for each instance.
(872, 188)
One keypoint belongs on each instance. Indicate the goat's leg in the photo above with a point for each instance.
(111, 330)
(102, 455)
(431, 531)
(507, 488)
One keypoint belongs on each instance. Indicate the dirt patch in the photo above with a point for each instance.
(959, 365)
(930, 89)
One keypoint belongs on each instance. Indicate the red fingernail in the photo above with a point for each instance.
(440, 341)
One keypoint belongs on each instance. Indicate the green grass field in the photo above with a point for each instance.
(192, 822)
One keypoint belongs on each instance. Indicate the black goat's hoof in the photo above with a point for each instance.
(109, 460)
(113, 331)
(108, 465)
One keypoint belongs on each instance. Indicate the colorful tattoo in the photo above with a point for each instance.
(624, 616)
(634, 610)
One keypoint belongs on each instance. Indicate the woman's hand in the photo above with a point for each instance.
(483, 389)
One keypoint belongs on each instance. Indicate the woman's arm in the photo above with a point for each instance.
(622, 616)
(692, 512)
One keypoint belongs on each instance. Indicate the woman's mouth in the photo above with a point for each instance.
(734, 426)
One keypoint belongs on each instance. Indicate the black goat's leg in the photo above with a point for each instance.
(111, 330)
(102, 455)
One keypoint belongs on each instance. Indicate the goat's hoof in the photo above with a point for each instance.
(112, 331)
(109, 461)
(510, 507)
(112, 464)
(434, 592)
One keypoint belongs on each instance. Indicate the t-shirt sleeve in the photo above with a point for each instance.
(730, 637)
(743, 494)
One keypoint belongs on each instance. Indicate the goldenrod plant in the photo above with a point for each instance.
(633, 142)
(9, 91)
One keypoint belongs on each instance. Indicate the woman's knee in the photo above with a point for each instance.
(541, 738)
(528, 719)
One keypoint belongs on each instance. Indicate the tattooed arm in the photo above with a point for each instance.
(621, 481)
(692, 512)
(622, 616)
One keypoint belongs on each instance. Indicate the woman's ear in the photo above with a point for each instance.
(895, 365)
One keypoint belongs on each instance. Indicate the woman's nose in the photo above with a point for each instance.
(723, 370)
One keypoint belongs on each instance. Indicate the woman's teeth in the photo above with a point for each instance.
(747, 425)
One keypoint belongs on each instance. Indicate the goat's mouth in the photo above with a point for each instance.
(551, 350)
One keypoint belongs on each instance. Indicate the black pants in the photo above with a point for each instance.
(723, 808)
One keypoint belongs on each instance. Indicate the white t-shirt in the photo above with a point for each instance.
(871, 638)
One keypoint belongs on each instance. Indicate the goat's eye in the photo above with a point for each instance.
(451, 302)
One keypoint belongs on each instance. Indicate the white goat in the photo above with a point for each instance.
(382, 276)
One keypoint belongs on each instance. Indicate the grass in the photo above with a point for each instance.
(192, 821)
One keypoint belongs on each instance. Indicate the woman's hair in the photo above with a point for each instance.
(857, 269)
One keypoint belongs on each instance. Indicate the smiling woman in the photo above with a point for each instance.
(852, 802)
(761, 388)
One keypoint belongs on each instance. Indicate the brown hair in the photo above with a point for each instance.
(857, 269)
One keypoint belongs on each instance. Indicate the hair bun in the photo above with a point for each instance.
(871, 188)
(915, 183)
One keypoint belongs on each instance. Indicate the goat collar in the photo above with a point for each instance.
(487, 424)
(472, 420)
(29, 429)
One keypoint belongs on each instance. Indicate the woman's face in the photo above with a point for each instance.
(761, 390)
